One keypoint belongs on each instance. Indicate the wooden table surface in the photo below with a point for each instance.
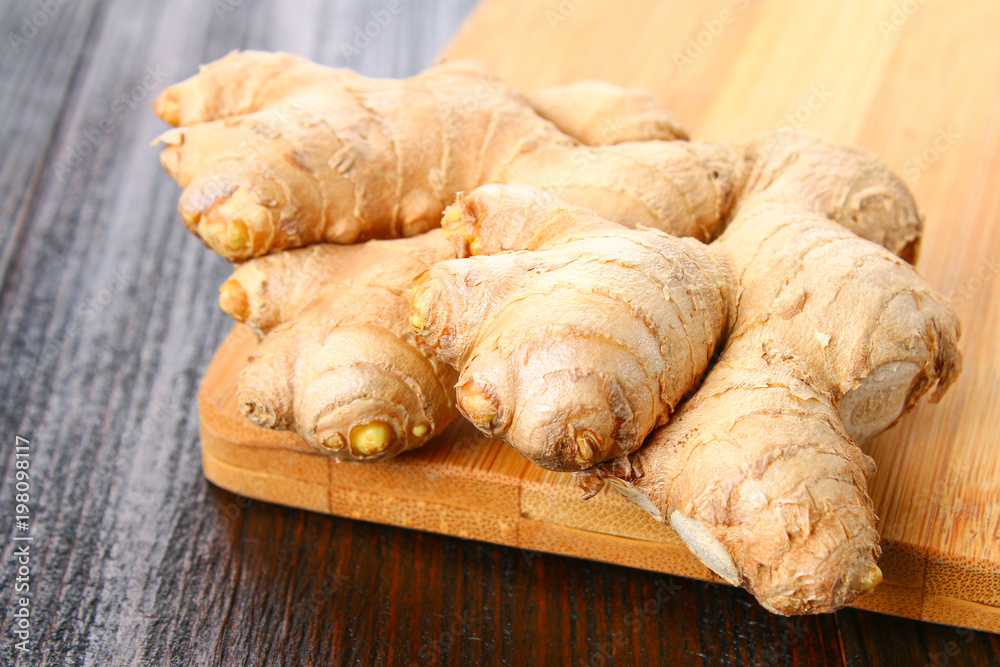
(107, 323)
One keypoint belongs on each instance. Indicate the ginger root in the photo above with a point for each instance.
(759, 472)
(599, 113)
(274, 151)
(827, 339)
(337, 362)
(622, 323)
(832, 340)
(576, 348)
(725, 388)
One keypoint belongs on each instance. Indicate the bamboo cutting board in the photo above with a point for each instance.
(917, 83)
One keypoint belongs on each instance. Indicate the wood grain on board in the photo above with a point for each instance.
(918, 84)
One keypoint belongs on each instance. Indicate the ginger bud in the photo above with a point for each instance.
(237, 236)
(873, 580)
(478, 406)
(334, 442)
(233, 300)
(371, 438)
(424, 297)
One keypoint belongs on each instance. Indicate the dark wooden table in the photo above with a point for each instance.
(108, 322)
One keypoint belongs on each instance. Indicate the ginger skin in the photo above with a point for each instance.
(827, 339)
(337, 362)
(274, 151)
(832, 340)
(461, 307)
(759, 471)
(598, 113)
(542, 367)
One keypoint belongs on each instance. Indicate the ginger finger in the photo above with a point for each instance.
(343, 158)
(847, 184)
(338, 363)
(599, 113)
(541, 364)
(517, 218)
(239, 83)
(759, 472)
(351, 389)
(278, 287)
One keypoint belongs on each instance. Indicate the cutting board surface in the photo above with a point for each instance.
(919, 87)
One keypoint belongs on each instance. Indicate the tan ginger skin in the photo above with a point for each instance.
(274, 151)
(823, 339)
(338, 363)
(576, 347)
(831, 339)
(274, 388)
(551, 389)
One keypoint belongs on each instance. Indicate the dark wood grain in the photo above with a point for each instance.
(108, 320)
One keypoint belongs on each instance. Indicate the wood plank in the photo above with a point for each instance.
(35, 91)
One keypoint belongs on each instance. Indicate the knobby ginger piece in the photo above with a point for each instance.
(274, 151)
(575, 349)
(338, 363)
